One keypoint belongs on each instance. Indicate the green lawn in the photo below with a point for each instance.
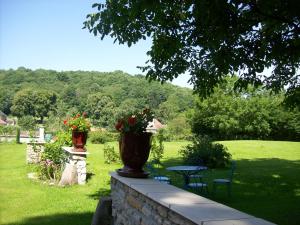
(267, 185)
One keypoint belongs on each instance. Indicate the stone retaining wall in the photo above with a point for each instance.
(149, 202)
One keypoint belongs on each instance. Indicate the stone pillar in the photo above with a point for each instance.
(75, 170)
(41, 134)
(33, 152)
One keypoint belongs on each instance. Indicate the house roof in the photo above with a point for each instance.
(155, 124)
(2, 122)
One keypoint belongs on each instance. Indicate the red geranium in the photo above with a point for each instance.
(131, 120)
(136, 122)
(78, 123)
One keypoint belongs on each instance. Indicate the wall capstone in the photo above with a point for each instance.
(149, 202)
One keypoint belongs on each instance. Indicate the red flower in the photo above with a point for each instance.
(131, 120)
(74, 127)
(65, 122)
(119, 126)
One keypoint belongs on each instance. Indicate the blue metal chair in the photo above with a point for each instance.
(199, 176)
(196, 182)
(152, 167)
(225, 181)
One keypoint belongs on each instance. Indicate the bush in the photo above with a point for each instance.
(157, 150)
(8, 130)
(53, 157)
(18, 134)
(110, 156)
(64, 138)
(101, 137)
(27, 123)
(179, 129)
(204, 151)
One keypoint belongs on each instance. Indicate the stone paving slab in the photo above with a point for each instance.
(178, 198)
(146, 189)
(131, 181)
(251, 221)
(199, 213)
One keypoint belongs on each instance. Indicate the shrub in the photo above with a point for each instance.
(204, 151)
(110, 156)
(179, 129)
(18, 135)
(53, 157)
(101, 137)
(157, 150)
(64, 138)
(8, 130)
(27, 123)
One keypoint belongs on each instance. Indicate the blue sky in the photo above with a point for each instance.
(48, 34)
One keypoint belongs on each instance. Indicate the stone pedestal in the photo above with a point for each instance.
(75, 169)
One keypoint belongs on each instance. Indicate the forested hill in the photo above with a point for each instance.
(102, 94)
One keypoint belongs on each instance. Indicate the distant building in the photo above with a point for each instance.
(3, 116)
(2, 122)
(154, 126)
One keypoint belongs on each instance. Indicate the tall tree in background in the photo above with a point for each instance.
(253, 114)
(101, 109)
(37, 103)
(210, 39)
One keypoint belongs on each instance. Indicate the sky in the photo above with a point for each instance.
(48, 34)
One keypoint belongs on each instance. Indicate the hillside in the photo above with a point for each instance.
(77, 91)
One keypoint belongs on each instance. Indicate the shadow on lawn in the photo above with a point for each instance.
(57, 219)
(100, 193)
(268, 188)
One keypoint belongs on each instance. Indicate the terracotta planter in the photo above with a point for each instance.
(79, 140)
(134, 152)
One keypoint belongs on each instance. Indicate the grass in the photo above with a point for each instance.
(266, 184)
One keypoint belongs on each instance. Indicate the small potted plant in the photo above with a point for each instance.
(80, 126)
(134, 143)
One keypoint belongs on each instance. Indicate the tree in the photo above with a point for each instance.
(101, 109)
(6, 97)
(210, 39)
(36, 103)
(254, 114)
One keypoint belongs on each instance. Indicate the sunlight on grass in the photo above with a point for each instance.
(266, 184)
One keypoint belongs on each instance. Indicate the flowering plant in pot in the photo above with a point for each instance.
(134, 143)
(79, 125)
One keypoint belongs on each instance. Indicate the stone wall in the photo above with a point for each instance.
(149, 202)
(33, 152)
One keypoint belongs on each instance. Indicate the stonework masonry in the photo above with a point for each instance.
(149, 202)
(77, 161)
(33, 152)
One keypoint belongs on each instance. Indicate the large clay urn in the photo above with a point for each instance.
(134, 152)
(79, 140)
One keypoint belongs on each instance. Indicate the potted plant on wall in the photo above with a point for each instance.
(80, 126)
(134, 143)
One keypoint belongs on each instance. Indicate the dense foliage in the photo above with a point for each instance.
(210, 39)
(204, 152)
(104, 96)
(253, 114)
(101, 137)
